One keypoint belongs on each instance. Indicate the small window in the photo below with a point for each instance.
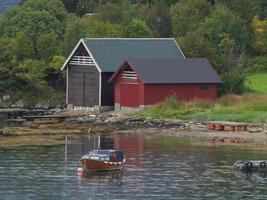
(204, 88)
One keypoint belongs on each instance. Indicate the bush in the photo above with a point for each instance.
(170, 102)
(258, 64)
(232, 83)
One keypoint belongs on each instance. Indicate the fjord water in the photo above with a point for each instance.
(157, 167)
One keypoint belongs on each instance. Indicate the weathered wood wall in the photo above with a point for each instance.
(83, 86)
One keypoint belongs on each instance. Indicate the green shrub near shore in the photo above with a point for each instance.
(248, 107)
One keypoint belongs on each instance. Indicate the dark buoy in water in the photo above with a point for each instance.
(80, 171)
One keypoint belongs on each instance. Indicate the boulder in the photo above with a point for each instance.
(43, 106)
(18, 104)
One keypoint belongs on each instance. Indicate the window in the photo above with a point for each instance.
(204, 88)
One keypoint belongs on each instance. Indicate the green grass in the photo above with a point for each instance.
(257, 82)
(249, 107)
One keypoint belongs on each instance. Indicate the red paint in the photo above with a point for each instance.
(155, 93)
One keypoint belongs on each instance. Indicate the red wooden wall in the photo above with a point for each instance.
(134, 93)
(155, 93)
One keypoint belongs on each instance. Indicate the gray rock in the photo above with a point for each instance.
(44, 106)
(18, 104)
(60, 106)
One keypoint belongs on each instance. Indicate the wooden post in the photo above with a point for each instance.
(66, 148)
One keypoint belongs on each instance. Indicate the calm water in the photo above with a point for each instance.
(158, 167)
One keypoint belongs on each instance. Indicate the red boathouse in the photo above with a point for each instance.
(143, 82)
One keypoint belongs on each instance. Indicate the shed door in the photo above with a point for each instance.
(83, 86)
(129, 95)
(76, 89)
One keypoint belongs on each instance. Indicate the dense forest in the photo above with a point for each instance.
(37, 35)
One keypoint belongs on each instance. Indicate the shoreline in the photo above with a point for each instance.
(81, 123)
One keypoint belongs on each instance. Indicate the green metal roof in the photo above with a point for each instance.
(110, 53)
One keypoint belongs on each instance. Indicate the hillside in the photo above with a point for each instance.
(5, 4)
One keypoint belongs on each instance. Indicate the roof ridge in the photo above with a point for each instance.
(128, 38)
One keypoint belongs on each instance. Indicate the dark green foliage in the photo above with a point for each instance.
(186, 15)
(224, 21)
(232, 83)
(138, 29)
(258, 64)
(157, 18)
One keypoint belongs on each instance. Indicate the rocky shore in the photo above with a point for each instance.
(77, 122)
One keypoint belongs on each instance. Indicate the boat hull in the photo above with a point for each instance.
(96, 165)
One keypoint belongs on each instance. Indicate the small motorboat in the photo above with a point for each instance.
(251, 165)
(102, 160)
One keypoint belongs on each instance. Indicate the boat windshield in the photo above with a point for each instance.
(99, 153)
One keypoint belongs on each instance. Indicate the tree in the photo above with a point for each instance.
(259, 39)
(223, 21)
(116, 13)
(101, 30)
(32, 23)
(187, 14)
(22, 47)
(245, 9)
(54, 75)
(195, 45)
(33, 73)
(138, 29)
(232, 66)
(157, 18)
(48, 45)
(75, 30)
(54, 7)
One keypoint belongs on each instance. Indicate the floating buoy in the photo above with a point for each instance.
(80, 171)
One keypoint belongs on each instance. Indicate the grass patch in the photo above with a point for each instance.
(257, 82)
(249, 107)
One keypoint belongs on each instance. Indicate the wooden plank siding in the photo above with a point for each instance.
(83, 86)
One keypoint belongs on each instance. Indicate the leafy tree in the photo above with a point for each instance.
(54, 7)
(195, 45)
(75, 30)
(100, 29)
(33, 73)
(259, 41)
(157, 17)
(223, 21)
(229, 58)
(32, 23)
(19, 48)
(47, 46)
(6, 49)
(138, 29)
(116, 13)
(22, 47)
(245, 9)
(187, 14)
(232, 66)
(54, 75)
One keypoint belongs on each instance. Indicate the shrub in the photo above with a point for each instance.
(171, 102)
(258, 64)
(232, 83)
